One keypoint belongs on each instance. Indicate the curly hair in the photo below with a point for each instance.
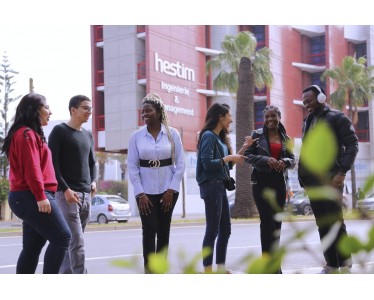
(278, 112)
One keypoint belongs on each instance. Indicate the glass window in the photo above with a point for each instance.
(362, 126)
(360, 50)
(317, 50)
(259, 115)
(116, 199)
(259, 32)
(315, 78)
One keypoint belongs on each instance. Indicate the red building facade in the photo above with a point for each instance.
(130, 61)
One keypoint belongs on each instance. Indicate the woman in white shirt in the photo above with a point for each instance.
(156, 167)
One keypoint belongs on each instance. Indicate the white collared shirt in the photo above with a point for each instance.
(153, 181)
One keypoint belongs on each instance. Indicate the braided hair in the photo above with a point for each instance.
(155, 100)
(277, 111)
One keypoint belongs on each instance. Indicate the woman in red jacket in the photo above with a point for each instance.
(32, 187)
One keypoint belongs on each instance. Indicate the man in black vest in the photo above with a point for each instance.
(327, 211)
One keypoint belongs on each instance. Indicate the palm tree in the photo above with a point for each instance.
(242, 68)
(355, 85)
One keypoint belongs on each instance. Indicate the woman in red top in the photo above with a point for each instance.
(32, 187)
(270, 159)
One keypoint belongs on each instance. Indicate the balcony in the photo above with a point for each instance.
(140, 28)
(260, 92)
(100, 123)
(140, 120)
(142, 73)
(99, 36)
(100, 78)
(363, 135)
(310, 30)
(309, 67)
(317, 59)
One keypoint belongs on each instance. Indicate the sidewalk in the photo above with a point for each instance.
(16, 224)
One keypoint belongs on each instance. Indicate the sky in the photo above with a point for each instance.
(56, 56)
(50, 41)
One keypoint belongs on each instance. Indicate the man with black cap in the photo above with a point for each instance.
(328, 210)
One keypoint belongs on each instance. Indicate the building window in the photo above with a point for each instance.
(259, 114)
(259, 32)
(315, 78)
(362, 126)
(317, 50)
(360, 50)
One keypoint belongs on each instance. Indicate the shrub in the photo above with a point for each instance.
(4, 189)
(113, 187)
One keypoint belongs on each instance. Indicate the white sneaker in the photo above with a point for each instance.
(329, 270)
(345, 270)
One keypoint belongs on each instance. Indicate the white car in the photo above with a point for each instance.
(366, 204)
(106, 208)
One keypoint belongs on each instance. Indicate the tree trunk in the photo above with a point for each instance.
(244, 203)
(353, 171)
(101, 171)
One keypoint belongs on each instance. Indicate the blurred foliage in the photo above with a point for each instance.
(113, 187)
(319, 149)
(318, 154)
(4, 189)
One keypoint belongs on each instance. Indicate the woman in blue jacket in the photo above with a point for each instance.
(214, 159)
(270, 158)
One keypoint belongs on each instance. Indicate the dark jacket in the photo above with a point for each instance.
(209, 163)
(258, 154)
(346, 140)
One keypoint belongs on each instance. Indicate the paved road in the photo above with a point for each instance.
(124, 242)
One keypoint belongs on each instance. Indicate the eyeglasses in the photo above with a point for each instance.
(87, 108)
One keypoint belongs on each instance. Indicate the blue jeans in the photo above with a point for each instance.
(77, 216)
(38, 228)
(218, 222)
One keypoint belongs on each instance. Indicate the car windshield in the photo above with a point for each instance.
(370, 197)
(116, 199)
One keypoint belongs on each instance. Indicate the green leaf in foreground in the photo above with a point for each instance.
(319, 149)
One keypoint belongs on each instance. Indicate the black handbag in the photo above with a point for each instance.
(229, 182)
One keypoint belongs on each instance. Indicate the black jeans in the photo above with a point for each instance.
(269, 227)
(38, 228)
(156, 227)
(327, 213)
